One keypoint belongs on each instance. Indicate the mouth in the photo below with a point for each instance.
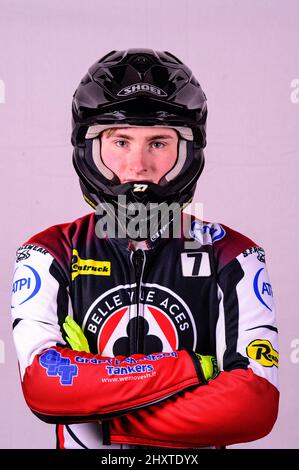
(137, 181)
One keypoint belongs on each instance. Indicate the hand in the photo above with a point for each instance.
(208, 366)
(75, 336)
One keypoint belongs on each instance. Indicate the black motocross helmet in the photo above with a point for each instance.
(139, 87)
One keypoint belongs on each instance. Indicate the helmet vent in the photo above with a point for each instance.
(141, 63)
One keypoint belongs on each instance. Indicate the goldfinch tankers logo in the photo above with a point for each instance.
(262, 351)
(164, 322)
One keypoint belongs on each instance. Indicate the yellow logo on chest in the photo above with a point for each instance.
(89, 266)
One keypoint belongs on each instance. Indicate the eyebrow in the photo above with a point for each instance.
(128, 137)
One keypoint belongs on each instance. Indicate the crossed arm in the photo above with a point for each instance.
(167, 407)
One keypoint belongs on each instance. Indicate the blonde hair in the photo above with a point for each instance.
(109, 132)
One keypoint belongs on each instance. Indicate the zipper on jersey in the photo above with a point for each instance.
(136, 335)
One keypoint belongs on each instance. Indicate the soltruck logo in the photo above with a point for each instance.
(135, 220)
(295, 93)
(89, 266)
(2, 91)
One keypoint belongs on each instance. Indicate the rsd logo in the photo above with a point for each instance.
(262, 351)
(26, 284)
(263, 288)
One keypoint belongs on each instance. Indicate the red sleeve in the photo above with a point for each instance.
(62, 385)
(237, 406)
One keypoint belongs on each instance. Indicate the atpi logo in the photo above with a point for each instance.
(206, 233)
(138, 87)
(27, 283)
(89, 266)
(263, 289)
(262, 351)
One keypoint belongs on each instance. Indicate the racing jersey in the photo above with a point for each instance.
(145, 312)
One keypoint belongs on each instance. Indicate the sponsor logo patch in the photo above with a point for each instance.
(166, 321)
(89, 266)
(39, 249)
(255, 249)
(262, 351)
(58, 366)
(263, 289)
(22, 255)
(206, 233)
(139, 369)
(26, 284)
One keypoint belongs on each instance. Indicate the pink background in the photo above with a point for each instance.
(245, 55)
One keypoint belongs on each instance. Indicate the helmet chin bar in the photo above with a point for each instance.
(129, 221)
(114, 216)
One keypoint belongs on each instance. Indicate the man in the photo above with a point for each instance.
(116, 326)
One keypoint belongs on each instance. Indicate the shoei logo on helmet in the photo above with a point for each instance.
(140, 187)
(137, 87)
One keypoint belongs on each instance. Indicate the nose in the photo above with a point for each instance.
(138, 162)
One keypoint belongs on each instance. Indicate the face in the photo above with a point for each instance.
(140, 153)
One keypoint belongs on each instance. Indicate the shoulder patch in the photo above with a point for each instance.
(206, 234)
(31, 260)
(259, 251)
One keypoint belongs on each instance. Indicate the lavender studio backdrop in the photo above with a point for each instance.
(245, 55)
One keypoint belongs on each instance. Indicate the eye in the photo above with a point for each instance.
(158, 145)
(120, 143)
